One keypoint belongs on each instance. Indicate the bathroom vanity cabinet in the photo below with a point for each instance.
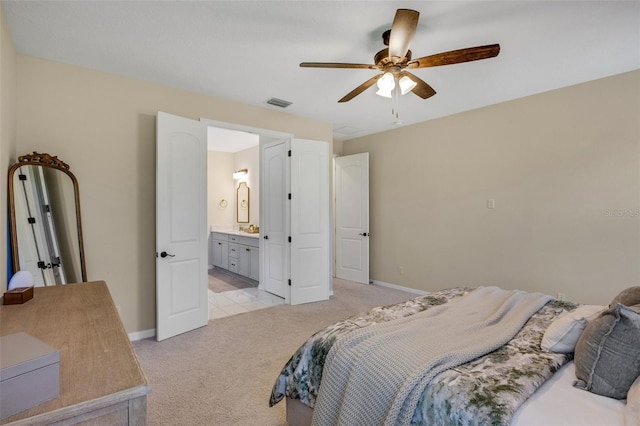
(237, 253)
(219, 250)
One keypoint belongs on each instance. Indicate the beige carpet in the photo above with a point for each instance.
(222, 374)
(219, 281)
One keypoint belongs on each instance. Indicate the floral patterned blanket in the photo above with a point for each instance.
(487, 390)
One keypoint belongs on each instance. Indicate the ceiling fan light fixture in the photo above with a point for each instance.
(406, 85)
(386, 83)
(385, 93)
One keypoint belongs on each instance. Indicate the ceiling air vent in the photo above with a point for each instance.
(279, 102)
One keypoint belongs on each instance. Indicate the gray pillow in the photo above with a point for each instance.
(607, 355)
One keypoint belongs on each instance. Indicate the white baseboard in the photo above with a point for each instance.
(144, 334)
(399, 287)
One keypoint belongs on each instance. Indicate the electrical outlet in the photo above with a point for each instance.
(562, 296)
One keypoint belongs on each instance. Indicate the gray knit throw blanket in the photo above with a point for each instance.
(376, 375)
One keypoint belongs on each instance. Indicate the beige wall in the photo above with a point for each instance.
(7, 131)
(564, 170)
(104, 126)
(222, 186)
(220, 168)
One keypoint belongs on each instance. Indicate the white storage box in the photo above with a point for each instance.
(29, 373)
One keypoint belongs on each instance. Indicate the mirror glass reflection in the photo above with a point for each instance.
(242, 200)
(46, 232)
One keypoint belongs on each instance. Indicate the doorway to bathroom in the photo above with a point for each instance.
(233, 216)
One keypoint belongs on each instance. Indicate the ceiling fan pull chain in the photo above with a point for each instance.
(394, 99)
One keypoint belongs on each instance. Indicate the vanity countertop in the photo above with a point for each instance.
(235, 232)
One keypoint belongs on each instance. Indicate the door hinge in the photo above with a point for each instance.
(289, 153)
(289, 195)
(289, 239)
(289, 283)
(31, 220)
(46, 208)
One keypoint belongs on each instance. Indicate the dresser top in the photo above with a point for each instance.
(96, 357)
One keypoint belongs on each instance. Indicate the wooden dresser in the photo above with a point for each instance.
(101, 381)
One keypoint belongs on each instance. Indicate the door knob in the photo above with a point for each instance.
(266, 237)
(364, 234)
(165, 254)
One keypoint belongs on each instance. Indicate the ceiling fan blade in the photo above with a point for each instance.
(402, 31)
(422, 89)
(456, 56)
(364, 86)
(336, 65)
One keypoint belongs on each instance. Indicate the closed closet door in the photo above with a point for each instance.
(352, 217)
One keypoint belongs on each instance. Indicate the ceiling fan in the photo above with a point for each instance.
(396, 59)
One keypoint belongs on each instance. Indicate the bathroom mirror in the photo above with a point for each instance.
(242, 200)
(44, 220)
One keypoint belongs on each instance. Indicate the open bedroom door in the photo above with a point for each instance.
(181, 225)
(310, 222)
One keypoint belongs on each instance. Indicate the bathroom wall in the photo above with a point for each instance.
(222, 186)
(250, 159)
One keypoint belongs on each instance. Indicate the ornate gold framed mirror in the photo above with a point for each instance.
(44, 220)
(242, 207)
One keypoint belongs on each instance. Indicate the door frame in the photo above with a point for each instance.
(265, 136)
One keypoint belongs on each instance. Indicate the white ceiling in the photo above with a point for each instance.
(226, 140)
(249, 51)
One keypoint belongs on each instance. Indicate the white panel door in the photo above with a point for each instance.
(274, 218)
(181, 225)
(310, 214)
(352, 217)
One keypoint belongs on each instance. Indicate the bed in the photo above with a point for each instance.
(514, 381)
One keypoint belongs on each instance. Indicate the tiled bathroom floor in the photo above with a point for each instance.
(239, 301)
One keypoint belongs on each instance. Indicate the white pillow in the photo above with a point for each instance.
(563, 333)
